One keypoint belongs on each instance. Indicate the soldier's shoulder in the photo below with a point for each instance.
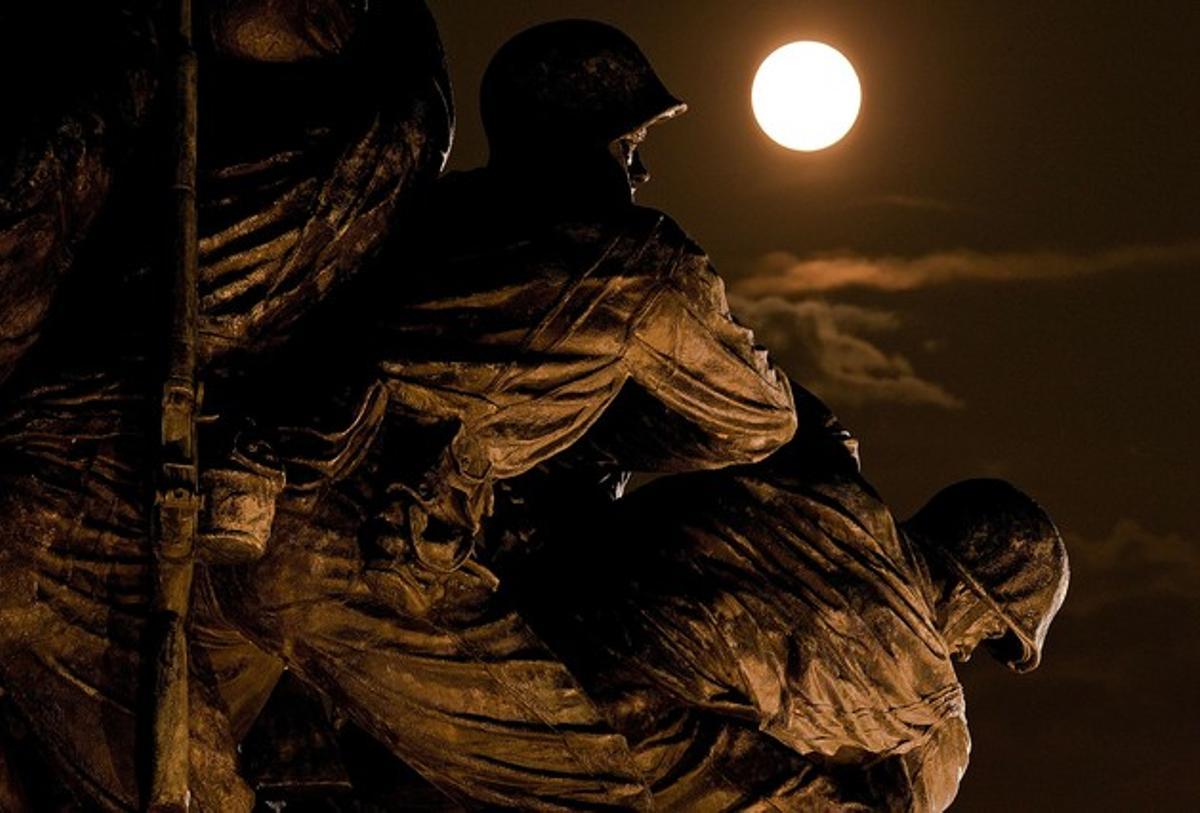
(666, 230)
(640, 240)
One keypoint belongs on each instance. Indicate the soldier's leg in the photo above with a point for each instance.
(240, 674)
(469, 696)
(73, 608)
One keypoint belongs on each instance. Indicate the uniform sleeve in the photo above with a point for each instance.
(82, 77)
(728, 403)
(936, 768)
(923, 780)
(298, 210)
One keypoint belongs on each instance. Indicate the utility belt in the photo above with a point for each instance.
(414, 560)
(420, 542)
(240, 489)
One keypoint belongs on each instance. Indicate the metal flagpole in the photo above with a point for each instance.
(177, 501)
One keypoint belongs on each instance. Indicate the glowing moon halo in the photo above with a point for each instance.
(806, 96)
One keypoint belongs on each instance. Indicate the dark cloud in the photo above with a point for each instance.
(781, 273)
(823, 345)
(1129, 564)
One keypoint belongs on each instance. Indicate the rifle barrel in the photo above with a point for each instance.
(177, 501)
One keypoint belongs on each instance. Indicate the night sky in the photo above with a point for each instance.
(996, 273)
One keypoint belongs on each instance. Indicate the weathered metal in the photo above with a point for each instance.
(423, 408)
(177, 500)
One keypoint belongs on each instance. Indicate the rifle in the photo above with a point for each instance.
(176, 496)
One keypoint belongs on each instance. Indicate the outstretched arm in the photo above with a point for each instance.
(723, 401)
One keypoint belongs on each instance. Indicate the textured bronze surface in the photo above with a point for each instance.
(779, 610)
(417, 578)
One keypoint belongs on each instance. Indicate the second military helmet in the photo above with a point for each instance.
(1006, 549)
(574, 81)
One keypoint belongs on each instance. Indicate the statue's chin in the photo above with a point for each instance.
(281, 31)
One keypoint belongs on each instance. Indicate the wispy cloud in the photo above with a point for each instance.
(912, 202)
(1131, 563)
(784, 274)
(824, 346)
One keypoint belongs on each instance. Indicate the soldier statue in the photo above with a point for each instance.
(767, 637)
(527, 299)
(317, 118)
(423, 399)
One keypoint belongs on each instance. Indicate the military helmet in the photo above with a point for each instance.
(575, 80)
(1006, 549)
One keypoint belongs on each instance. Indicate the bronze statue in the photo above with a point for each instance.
(529, 298)
(315, 117)
(416, 394)
(307, 152)
(767, 637)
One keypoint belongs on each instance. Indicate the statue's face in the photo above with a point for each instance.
(626, 150)
(969, 621)
(988, 627)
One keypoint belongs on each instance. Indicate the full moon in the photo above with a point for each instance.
(806, 96)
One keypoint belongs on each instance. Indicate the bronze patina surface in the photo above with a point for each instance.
(418, 401)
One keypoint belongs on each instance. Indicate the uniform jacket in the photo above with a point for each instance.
(515, 334)
(783, 597)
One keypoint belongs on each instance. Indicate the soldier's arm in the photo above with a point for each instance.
(925, 779)
(78, 80)
(936, 768)
(729, 403)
